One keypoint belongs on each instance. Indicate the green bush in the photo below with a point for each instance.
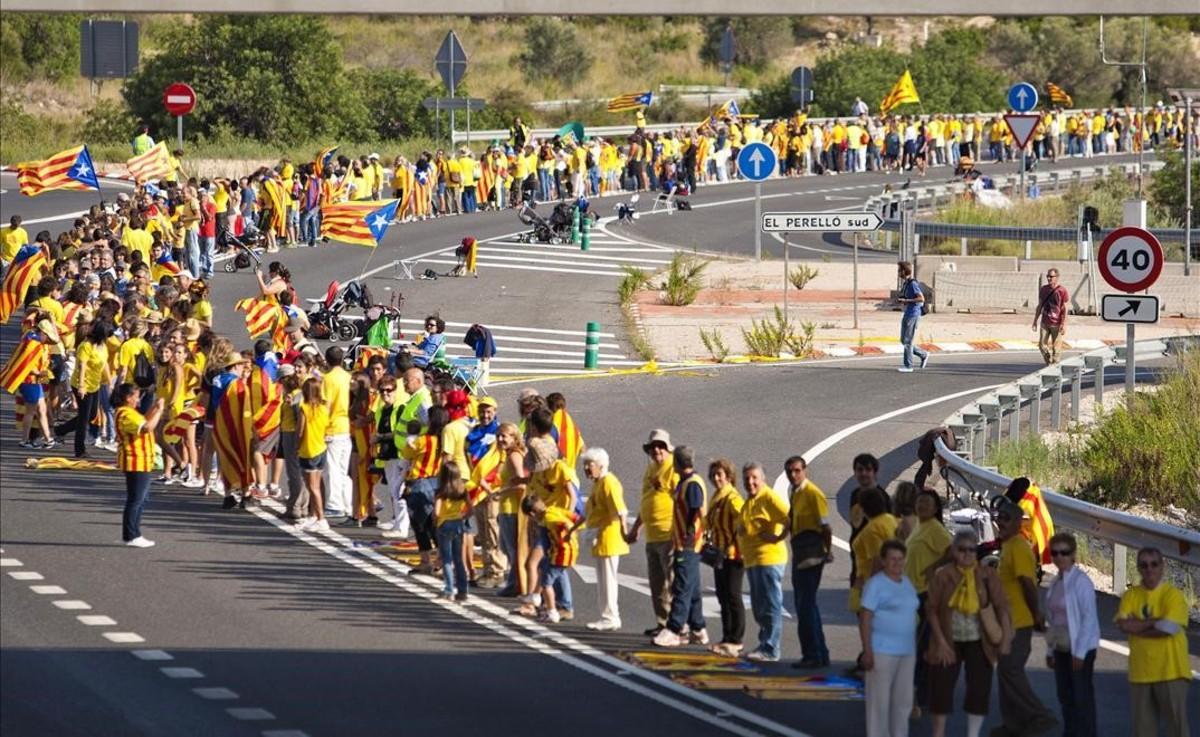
(758, 40)
(771, 336)
(634, 280)
(553, 51)
(1167, 187)
(802, 275)
(684, 280)
(714, 344)
(108, 122)
(39, 45)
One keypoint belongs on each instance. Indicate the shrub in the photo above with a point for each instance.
(714, 344)
(553, 51)
(684, 280)
(802, 275)
(635, 279)
(108, 122)
(769, 337)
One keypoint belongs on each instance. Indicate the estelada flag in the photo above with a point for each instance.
(1058, 95)
(903, 91)
(570, 440)
(30, 356)
(323, 164)
(27, 267)
(360, 223)
(70, 169)
(625, 103)
(262, 315)
(233, 428)
(154, 164)
(273, 189)
(266, 400)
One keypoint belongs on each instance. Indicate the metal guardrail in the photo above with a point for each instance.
(982, 422)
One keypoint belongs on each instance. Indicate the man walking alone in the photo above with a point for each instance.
(1053, 301)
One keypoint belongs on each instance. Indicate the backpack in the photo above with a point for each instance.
(144, 373)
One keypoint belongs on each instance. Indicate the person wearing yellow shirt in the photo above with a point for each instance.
(135, 237)
(761, 533)
(1154, 615)
(312, 426)
(466, 170)
(335, 388)
(134, 345)
(720, 526)
(605, 517)
(879, 525)
(928, 547)
(812, 546)
(91, 373)
(12, 237)
(655, 514)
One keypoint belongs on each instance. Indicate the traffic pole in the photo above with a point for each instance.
(591, 350)
(585, 234)
(757, 221)
(1135, 215)
(179, 130)
(786, 274)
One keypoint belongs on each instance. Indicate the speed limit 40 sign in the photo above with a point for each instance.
(1130, 259)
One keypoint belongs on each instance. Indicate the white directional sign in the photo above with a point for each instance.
(820, 222)
(1129, 308)
(1022, 127)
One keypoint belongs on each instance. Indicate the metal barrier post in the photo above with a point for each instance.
(591, 350)
(991, 417)
(1028, 250)
(1012, 404)
(1096, 364)
(1120, 568)
(972, 431)
(1056, 404)
(963, 241)
(1076, 391)
(1033, 392)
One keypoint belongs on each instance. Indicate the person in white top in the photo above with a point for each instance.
(1072, 636)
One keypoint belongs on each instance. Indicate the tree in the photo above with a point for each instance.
(758, 40)
(855, 71)
(949, 76)
(391, 104)
(553, 51)
(270, 78)
(39, 45)
(1167, 188)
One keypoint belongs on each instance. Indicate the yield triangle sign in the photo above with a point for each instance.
(1022, 126)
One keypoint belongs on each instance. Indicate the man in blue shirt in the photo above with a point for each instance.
(913, 300)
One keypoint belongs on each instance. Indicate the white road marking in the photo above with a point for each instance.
(249, 714)
(48, 590)
(505, 328)
(152, 655)
(214, 693)
(124, 637)
(283, 733)
(72, 604)
(26, 575)
(519, 267)
(177, 672)
(581, 256)
(10, 563)
(96, 620)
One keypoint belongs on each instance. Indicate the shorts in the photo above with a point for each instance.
(316, 463)
(266, 446)
(551, 575)
(58, 367)
(32, 393)
(469, 525)
(540, 537)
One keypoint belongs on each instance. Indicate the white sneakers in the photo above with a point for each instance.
(312, 524)
(604, 625)
(139, 542)
(667, 638)
(700, 637)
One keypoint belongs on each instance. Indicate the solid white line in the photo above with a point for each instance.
(152, 655)
(96, 620)
(26, 575)
(214, 693)
(250, 714)
(46, 590)
(72, 604)
(496, 265)
(176, 672)
(580, 256)
(494, 328)
(124, 637)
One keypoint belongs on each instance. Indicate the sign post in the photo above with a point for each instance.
(728, 52)
(819, 222)
(756, 162)
(1023, 97)
(179, 99)
(802, 87)
(1130, 260)
(451, 63)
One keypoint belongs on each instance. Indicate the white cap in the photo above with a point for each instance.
(373, 156)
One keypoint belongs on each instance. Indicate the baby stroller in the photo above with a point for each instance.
(245, 250)
(378, 331)
(325, 314)
(541, 229)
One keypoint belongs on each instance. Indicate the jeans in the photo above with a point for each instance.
(207, 243)
(545, 184)
(137, 490)
(109, 433)
(766, 601)
(558, 578)
(686, 604)
(450, 547)
(83, 421)
(191, 242)
(468, 199)
(908, 331)
(1076, 694)
(420, 510)
(310, 225)
(508, 545)
(805, 582)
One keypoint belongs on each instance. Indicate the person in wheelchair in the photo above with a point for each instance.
(429, 345)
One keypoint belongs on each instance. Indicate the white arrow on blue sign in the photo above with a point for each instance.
(1022, 97)
(757, 161)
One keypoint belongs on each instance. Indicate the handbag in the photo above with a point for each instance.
(711, 555)
(990, 624)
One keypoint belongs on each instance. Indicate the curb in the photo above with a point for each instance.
(970, 346)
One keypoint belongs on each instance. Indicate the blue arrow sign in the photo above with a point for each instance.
(757, 161)
(1022, 97)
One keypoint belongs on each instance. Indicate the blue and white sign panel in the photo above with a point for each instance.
(1022, 97)
(757, 161)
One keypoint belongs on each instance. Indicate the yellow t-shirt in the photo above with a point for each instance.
(11, 242)
(287, 413)
(335, 387)
(130, 350)
(658, 502)
(454, 445)
(766, 511)
(1154, 659)
(604, 509)
(316, 425)
(466, 167)
(810, 509)
(91, 366)
(1016, 562)
(138, 240)
(452, 168)
(449, 510)
(866, 549)
(926, 544)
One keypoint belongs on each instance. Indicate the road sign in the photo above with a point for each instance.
(108, 49)
(1129, 308)
(451, 61)
(1130, 259)
(802, 85)
(179, 99)
(757, 161)
(1022, 97)
(1022, 127)
(820, 222)
(474, 104)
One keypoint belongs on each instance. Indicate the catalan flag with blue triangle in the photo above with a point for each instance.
(70, 169)
(360, 223)
(625, 103)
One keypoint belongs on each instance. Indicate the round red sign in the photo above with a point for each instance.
(1130, 259)
(179, 99)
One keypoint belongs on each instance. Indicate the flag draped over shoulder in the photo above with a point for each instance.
(262, 315)
(360, 223)
(233, 428)
(273, 188)
(266, 400)
(176, 430)
(30, 356)
(70, 169)
(154, 164)
(625, 103)
(1058, 95)
(27, 267)
(903, 91)
(570, 440)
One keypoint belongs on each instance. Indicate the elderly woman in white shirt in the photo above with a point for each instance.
(1072, 637)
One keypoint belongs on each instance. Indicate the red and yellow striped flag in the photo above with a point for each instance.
(21, 275)
(903, 91)
(266, 400)
(154, 164)
(273, 189)
(30, 356)
(360, 223)
(70, 169)
(176, 429)
(1058, 95)
(262, 315)
(570, 440)
(323, 164)
(232, 430)
(625, 103)
(486, 469)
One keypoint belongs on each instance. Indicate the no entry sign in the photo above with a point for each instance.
(179, 99)
(1130, 259)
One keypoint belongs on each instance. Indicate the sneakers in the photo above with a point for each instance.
(667, 638)
(550, 617)
(304, 523)
(48, 443)
(699, 637)
(758, 656)
(461, 597)
(139, 542)
(727, 649)
(274, 491)
(604, 625)
(320, 525)
(925, 360)
(905, 369)
(566, 615)
(28, 445)
(391, 534)
(192, 482)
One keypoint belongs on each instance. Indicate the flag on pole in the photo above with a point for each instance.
(625, 103)
(360, 223)
(903, 91)
(27, 267)
(154, 164)
(728, 110)
(1058, 95)
(70, 169)
(322, 165)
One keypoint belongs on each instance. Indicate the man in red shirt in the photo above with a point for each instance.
(1053, 301)
(208, 233)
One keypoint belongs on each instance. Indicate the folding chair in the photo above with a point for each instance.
(404, 269)
(664, 201)
(472, 372)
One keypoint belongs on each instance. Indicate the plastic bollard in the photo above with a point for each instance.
(585, 235)
(591, 351)
(575, 225)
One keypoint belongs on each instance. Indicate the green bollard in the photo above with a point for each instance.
(591, 352)
(575, 225)
(585, 241)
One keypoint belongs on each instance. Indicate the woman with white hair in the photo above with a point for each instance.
(605, 516)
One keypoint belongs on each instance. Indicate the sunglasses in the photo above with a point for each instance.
(387, 389)
(963, 549)
(1061, 553)
(1144, 564)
